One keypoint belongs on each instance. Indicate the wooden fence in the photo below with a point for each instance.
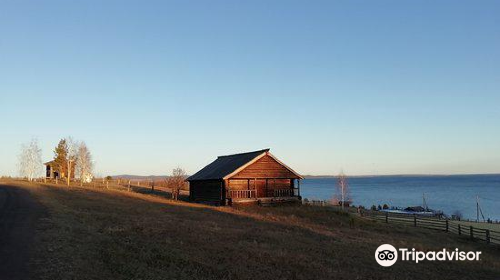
(451, 226)
(140, 186)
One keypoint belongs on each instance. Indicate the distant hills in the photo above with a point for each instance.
(140, 177)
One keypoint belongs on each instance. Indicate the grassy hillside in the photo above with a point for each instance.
(105, 234)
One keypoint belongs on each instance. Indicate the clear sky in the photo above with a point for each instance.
(367, 87)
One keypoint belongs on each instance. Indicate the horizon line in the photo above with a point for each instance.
(362, 175)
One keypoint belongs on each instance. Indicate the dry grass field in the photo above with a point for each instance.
(108, 234)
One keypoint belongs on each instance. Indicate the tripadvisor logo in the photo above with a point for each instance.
(387, 255)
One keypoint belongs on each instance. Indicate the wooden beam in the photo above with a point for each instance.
(255, 187)
(222, 192)
(298, 187)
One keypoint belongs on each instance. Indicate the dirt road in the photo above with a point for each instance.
(19, 212)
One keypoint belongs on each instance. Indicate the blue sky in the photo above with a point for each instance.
(368, 87)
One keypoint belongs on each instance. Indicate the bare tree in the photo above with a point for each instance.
(72, 156)
(84, 165)
(30, 160)
(177, 181)
(343, 194)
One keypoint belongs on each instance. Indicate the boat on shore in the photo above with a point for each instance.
(415, 210)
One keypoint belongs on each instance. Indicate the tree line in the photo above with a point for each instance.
(72, 159)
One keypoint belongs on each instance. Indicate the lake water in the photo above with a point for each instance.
(445, 193)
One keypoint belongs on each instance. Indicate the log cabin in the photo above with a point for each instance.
(255, 177)
(52, 171)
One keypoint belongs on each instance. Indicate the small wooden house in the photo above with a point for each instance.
(52, 171)
(248, 177)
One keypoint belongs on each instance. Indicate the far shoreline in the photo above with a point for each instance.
(400, 175)
(161, 177)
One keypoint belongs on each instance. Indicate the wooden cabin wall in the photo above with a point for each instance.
(240, 184)
(265, 167)
(278, 184)
(208, 190)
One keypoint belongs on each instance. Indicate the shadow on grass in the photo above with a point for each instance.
(319, 220)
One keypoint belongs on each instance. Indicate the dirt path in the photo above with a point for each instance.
(19, 212)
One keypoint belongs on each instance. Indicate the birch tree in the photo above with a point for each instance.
(343, 193)
(84, 163)
(30, 160)
(72, 155)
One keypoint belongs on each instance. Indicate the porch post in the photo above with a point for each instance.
(222, 190)
(248, 188)
(298, 187)
(255, 187)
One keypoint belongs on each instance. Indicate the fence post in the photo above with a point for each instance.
(107, 184)
(386, 217)
(446, 225)
(414, 220)
(471, 232)
(459, 230)
(488, 236)
(128, 185)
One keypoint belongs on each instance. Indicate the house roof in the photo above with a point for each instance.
(226, 166)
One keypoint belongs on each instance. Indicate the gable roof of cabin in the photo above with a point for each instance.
(225, 167)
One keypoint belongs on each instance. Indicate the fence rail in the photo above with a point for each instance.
(148, 183)
(474, 233)
(142, 186)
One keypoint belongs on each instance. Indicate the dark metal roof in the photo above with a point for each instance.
(225, 165)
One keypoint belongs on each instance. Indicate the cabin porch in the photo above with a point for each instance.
(263, 190)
